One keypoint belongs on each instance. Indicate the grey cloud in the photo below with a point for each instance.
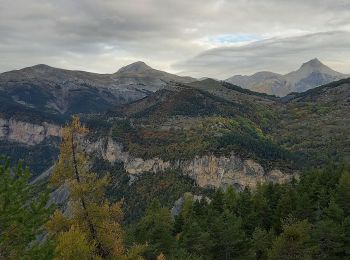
(104, 35)
(279, 55)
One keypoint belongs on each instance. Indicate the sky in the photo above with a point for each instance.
(199, 38)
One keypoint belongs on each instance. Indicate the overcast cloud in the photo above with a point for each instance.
(199, 38)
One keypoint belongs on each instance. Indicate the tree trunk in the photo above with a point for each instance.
(101, 252)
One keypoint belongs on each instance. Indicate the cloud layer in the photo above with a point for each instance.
(280, 55)
(213, 37)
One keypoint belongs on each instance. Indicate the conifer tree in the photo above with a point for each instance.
(229, 239)
(22, 215)
(328, 238)
(293, 243)
(156, 229)
(261, 242)
(343, 191)
(95, 222)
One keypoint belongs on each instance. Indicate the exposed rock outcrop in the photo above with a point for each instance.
(27, 133)
(208, 170)
(176, 209)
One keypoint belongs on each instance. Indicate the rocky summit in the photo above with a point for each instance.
(310, 75)
(42, 89)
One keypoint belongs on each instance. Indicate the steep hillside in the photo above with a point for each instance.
(37, 99)
(196, 137)
(310, 75)
(207, 117)
(201, 98)
(317, 122)
(314, 124)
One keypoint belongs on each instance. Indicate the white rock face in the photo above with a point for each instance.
(26, 133)
(207, 170)
(176, 209)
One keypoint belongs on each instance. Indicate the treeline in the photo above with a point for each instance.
(304, 219)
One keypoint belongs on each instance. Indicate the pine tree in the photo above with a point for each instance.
(343, 192)
(96, 222)
(156, 229)
(22, 215)
(261, 242)
(218, 201)
(334, 212)
(228, 237)
(327, 236)
(195, 240)
(346, 235)
(230, 199)
(293, 243)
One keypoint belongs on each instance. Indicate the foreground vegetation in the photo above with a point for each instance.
(304, 219)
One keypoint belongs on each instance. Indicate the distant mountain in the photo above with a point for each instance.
(146, 78)
(310, 75)
(65, 92)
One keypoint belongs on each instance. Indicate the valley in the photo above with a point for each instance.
(174, 139)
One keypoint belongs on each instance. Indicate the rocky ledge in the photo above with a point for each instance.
(207, 171)
(25, 132)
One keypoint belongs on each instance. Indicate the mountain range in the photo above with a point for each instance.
(160, 135)
(55, 94)
(310, 75)
(48, 90)
(169, 114)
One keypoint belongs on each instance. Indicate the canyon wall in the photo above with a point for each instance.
(207, 170)
(26, 133)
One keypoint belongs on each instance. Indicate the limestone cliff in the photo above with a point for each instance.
(26, 133)
(208, 170)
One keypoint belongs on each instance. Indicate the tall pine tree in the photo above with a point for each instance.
(22, 215)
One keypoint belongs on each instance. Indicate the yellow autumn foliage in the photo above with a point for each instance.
(93, 229)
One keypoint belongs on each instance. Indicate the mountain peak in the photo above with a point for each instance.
(135, 67)
(41, 67)
(314, 63)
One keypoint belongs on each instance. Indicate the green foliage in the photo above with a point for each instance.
(73, 244)
(120, 128)
(22, 215)
(328, 238)
(196, 240)
(155, 229)
(305, 219)
(166, 186)
(343, 192)
(261, 242)
(248, 140)
(229, 238)
(292, 243)
(217, 135)
(38, 157)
